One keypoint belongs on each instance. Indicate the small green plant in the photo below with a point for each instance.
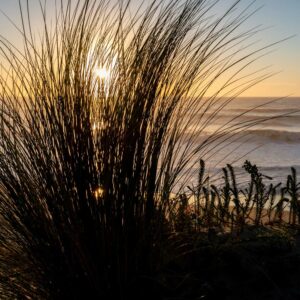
(272, 200)
(261, 194)
(292, 189)
(230, 207)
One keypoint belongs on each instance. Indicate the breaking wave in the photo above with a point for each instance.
(270, 135)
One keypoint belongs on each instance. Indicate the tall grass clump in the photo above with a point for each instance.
(89, 161)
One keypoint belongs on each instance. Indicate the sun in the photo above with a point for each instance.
(102, 73)
(102, 80)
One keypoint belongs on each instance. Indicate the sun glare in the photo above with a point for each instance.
(102, 73)
(99, 192)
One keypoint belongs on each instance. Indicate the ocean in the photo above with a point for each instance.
(265, 131)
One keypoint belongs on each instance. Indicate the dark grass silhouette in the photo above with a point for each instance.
(88, 164)
(232, 206)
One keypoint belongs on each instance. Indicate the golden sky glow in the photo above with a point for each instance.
(281, 18)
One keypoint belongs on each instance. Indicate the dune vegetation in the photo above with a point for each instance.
(95, 196)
